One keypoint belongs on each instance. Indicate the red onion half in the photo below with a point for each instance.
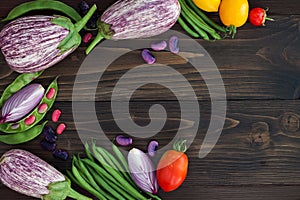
(142, 170)
(21, 103)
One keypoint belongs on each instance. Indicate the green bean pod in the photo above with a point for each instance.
(84, 184)
(21, 81)
(91, 179)
(198, 21)
(22, 137)
(117, 176)
(43, 5)
(115, 191)
(205, 18)
(120, 156)
(88, 152)
(115, 164)
(187, 28)
(21, 126)
(85, 173)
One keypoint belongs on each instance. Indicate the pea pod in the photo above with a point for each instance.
(22, 137)
(21, 81)
(21, 126)
(43, 5)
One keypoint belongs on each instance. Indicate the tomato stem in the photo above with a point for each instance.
(270, 19)
(180, 146)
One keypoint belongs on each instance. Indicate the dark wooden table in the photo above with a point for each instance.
(258, 153)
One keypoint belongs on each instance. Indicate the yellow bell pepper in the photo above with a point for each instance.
(208, 5)
(234, 12)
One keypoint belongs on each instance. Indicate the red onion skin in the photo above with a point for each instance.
(142, 170)
(21, 103)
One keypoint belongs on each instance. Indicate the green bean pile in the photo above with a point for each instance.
(104, 175)
(18, 132)
(198, 25)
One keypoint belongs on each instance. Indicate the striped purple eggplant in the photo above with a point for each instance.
(26, 173)
(34, 43)
(130, 19)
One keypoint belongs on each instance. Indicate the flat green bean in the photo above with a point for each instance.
(42, 5)
(22, 137)
(9, 127)
(21, 81)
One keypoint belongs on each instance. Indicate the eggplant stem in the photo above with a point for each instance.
(76, 195)
(97, 39)
(270, 19)
(80, 24)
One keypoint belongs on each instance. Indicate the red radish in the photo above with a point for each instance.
(258, 16)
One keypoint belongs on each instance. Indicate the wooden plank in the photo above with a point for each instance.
(270, 72)
(259, 144)
(262, 192)
(290, 6)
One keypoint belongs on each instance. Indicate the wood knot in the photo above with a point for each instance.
(259, 135)
(289, 122)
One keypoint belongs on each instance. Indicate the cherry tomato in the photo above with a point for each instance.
(258, 16)
(172, 170)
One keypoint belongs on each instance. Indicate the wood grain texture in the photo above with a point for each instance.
(259, 146)
(261, 63)
(257, 155)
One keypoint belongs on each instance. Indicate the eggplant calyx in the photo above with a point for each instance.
(61, 190)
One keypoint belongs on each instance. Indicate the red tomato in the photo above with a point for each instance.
(172, 170)
(258, 16)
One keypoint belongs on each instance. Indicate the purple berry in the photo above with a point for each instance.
(48, 145)
(83, 7)
(49, 134)
(61, 154)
